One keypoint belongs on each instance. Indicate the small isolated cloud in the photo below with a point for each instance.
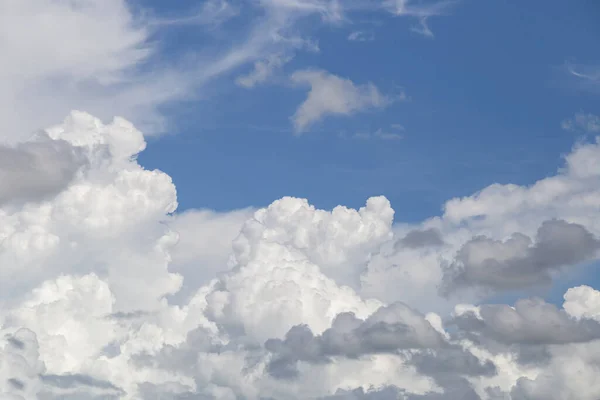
(361, 36)
(582, 122)
(263, 70)
(332, 95)
(378, 134)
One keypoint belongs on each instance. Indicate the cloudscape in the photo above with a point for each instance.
(299, 199)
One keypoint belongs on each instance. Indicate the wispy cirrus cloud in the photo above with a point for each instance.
(423, 11)
(584, 76)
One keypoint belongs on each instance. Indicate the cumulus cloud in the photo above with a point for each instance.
(518, 262)
(332, 95)
(286, 301)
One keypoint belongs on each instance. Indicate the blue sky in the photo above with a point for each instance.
(486, 96)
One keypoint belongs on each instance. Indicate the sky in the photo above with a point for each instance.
(299, 199)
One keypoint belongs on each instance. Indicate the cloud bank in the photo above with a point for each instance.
(107, 293)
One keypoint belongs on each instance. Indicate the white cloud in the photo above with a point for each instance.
(332, 95)
(110, 62)
(105, 293)
(100, 45)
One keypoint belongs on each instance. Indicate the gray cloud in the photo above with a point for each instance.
(451, 361)
(531, 322)
(420, 238)
(37, 169)
(518, 262)
(77, 386)
(386, 393)
(458, 390)
(388, 330)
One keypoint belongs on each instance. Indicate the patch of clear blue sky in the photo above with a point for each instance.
(486, 100)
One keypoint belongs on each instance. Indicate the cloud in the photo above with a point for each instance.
(100, 47)
(389, 329)
(342, 303)
(582, 302)
(423, 28)
(421, 10)
(204, 245)
(262, 70)
(112, 59)
(332, 95)
(588, 123)
(379, 134)
(211, 13)
(76, 385)
(37, 169)
(361, 36)
(530, 321)
(518, 262)
(421, 238)
(589, 73)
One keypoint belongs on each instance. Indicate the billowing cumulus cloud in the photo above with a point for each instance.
(107, 292)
